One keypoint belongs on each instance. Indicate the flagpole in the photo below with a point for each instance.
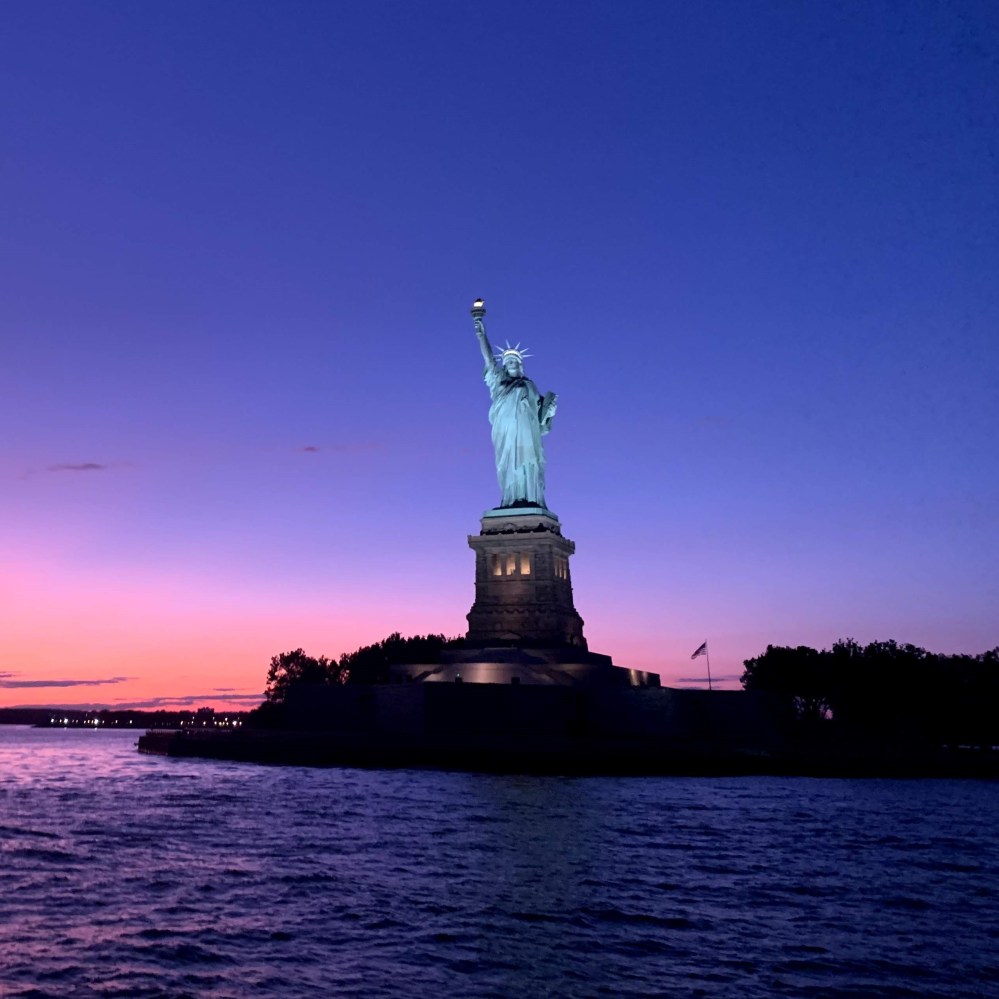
(708, 655)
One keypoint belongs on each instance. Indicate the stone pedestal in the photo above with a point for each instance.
(523, 588)
(523, 627)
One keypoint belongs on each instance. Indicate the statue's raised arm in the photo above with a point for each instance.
(519, 416)
(478, 318)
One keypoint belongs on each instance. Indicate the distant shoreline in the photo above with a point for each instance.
(55, 717)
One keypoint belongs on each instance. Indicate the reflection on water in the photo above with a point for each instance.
(127, 875)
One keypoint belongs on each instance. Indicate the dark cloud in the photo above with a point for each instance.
(187, 701)
(724, 678)
(359, 447)
(85, 466)
(5, 681)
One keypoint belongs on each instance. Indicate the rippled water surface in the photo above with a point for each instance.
(129, 875)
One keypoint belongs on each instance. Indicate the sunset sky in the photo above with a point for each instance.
(753, 246)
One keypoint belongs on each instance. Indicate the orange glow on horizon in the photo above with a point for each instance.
(171, 637)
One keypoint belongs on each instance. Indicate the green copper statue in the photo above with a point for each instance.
(520, 416)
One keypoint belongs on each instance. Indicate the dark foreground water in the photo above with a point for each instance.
(126, 875)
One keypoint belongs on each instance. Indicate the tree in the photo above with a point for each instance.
(370, 663)
(799, 674)
(292, 668)
(888, 690)
(899, 695)
(970, 710)
(269, 714)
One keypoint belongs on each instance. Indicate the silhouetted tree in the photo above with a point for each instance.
(798, 674)
(370, 663)
(292, 668)
(270, 714)
(971, 715)
(895, 694)
(891, 691)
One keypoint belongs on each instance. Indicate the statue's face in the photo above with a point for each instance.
(513, 365)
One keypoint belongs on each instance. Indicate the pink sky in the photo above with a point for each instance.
(752, 247)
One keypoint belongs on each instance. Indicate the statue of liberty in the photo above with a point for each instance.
(520, 416)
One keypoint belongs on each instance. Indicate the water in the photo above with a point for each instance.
(126, 875)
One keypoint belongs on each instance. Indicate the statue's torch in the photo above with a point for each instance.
(478, 314)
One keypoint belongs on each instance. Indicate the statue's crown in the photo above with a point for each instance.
(502, 353)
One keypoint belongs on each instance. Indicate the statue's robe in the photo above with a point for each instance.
(515, 415)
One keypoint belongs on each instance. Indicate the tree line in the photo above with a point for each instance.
(368, 664)
(883, 691)
(886, 691)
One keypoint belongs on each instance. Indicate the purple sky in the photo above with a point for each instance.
(754, 248)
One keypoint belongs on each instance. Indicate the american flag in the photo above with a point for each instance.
(702, 650)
